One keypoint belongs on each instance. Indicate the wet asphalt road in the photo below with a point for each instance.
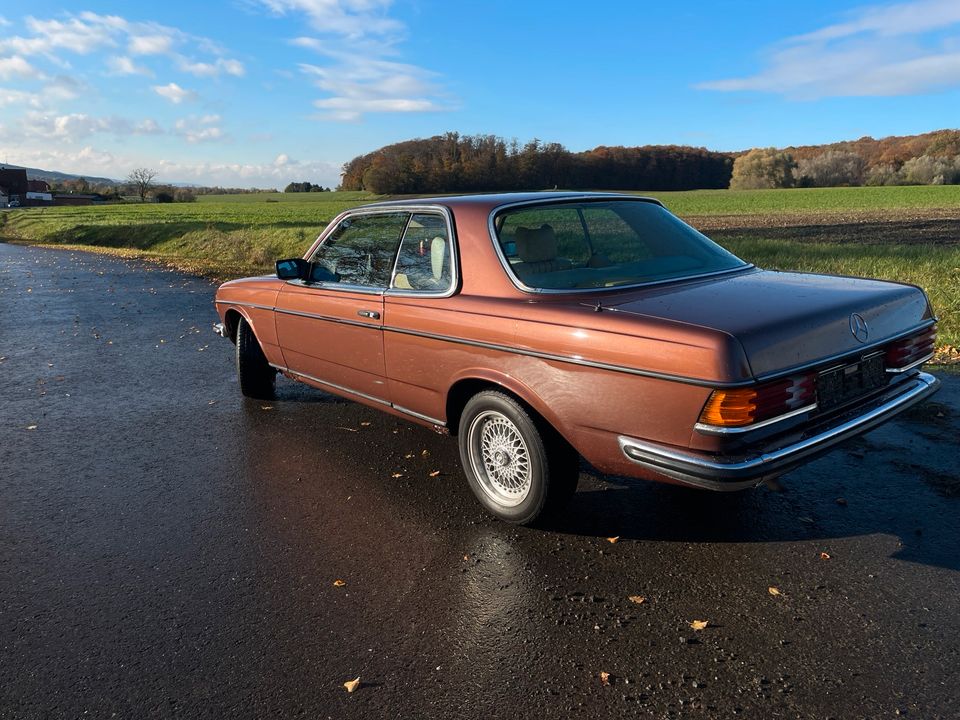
(168, 549)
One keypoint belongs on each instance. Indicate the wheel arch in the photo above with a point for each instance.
(470, 383)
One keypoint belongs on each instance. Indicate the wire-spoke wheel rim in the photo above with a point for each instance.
(499, 458)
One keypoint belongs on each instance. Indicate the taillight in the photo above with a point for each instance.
(904, 353)
(739, 407)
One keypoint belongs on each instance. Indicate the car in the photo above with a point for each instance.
(539, 328)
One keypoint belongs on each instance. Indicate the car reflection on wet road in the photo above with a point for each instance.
(169, 549)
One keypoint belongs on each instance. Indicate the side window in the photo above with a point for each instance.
(360, 251)
(544, 234)
(424, 262)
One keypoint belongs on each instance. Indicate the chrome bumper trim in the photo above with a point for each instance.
(220, 329)
(734, 473)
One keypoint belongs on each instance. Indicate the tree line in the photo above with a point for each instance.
(476, 163)
(928, 159)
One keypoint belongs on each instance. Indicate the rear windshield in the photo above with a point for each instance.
(604, 244)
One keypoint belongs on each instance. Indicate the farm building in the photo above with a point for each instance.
(38, 186)
(14, 182)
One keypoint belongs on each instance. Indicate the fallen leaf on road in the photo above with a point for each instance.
(396, 475)
(352, 685)
(266, 407)
(699, 624)
(773, 591)
(638, 599)
(425, 453)
(338, 583)
(408, 456)
(434, 473)
(31, 427)
(364, 424)
(341, 427)
(824, 556)
(605, 679)
(841, 501)
(804, 519)
(613, 540)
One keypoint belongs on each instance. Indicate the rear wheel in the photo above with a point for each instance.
(257, 378)
(518, 466)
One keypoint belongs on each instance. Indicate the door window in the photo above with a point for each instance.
(424, 263)
(360, 251)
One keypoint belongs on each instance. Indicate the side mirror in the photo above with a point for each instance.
(293, 269)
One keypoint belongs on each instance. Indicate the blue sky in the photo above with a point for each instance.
(261, 92)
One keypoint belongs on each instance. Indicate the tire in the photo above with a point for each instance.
(257, 378)
(518, 466)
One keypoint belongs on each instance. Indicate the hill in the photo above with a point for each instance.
(54, 176)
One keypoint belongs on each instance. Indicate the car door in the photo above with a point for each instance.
(330, 328)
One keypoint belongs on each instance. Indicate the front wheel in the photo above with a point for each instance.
(257, 378)
(518, 467)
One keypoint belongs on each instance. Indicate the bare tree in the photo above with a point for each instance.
(142, 180)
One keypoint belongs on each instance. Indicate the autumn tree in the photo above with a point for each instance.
(142, 180)
(763, 168)
(833, 168)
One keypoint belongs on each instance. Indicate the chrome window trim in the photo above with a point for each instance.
(912, 365)
(344, 287)
(599, 197)
(707, 429)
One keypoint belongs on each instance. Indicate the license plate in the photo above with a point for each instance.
(839, 385)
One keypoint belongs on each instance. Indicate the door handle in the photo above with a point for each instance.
(372, 314)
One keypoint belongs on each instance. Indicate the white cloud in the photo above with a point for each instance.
(214, 69)
(158, 44)
(174, 93)
(356, 77)
(16, 68)
(123, 65)
(4, 22)
(880, 50)
(350, 18)
(89, 160)
(9, 96)
(358, 85)
(203, 129)
(73, 127)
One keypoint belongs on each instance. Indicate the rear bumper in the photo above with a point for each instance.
(716, 472)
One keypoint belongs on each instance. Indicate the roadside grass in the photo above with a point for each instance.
(232, 235)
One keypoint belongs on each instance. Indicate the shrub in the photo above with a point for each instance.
(763, 168)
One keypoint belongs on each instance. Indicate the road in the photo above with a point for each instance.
(169, 549)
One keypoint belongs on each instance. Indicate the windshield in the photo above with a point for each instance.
(604, 244)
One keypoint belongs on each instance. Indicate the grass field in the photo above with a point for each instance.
(231, 235)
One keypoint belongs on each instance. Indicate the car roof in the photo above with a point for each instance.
(494, 200)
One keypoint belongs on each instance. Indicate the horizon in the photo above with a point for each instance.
(259, 93)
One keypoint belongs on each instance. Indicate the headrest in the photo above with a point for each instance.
(438, 250)
(536, 244)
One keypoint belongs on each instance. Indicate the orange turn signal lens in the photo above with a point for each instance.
(730, 408)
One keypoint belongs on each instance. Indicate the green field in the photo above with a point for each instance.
(231, 235)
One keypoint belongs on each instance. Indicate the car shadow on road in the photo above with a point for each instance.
(801, 507)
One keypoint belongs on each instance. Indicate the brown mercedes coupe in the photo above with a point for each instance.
(541, 327)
